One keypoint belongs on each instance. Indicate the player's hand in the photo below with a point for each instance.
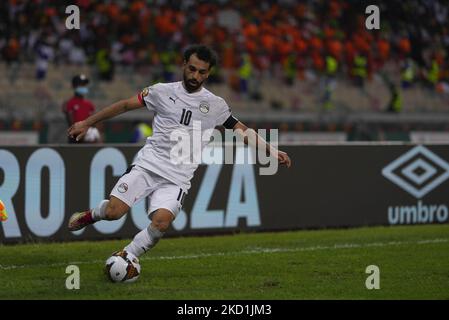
(78, 130)
(284, 158)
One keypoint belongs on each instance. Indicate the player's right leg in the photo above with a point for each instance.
(112, 209)
(132, 186)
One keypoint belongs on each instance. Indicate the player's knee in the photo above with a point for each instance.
(161, 225)
(115, 211)
(161, 220)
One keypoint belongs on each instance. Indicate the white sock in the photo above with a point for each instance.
(99, 213)
(144, 241)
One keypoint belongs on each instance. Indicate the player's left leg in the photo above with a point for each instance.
(150, 236)
(165, 204)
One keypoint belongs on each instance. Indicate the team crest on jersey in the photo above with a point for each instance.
(204, 107)
(144, 92)
(122, 188)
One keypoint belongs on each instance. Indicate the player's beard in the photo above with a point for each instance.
(192, 85)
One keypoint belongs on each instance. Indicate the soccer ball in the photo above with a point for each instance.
(122, 267)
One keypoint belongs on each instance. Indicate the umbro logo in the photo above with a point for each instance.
(417, 171)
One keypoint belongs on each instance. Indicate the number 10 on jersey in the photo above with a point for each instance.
(185, 117)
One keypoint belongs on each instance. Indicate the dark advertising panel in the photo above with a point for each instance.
(328, 186)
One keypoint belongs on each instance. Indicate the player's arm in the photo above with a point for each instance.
(80, 128)
(251, 137)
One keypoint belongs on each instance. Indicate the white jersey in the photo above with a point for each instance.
(177, 110)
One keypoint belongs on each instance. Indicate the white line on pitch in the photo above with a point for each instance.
(255, 250)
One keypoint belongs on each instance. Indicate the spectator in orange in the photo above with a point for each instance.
(317, 60)
(11, 51)
(228, 56)
(316, 43)
(404, 47)
(251, 46)
(349, 54)
(250, 30)
(284, 48)
(113, 11)
(335, 8)
(136, 7)
(361, 43)
(334, 48)
(383, 47)
(268, 42)
(300, 45)
(220, 34)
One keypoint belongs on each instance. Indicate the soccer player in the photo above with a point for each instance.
(153, 174)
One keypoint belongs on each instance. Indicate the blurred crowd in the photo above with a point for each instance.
(287, 39)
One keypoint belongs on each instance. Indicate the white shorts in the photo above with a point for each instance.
(138, 183)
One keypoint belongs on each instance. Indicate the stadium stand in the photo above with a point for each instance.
(280, 60)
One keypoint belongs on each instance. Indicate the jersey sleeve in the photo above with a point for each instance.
(225, 118)
(148, 97)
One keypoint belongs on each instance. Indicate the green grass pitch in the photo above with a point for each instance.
(320, 264)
